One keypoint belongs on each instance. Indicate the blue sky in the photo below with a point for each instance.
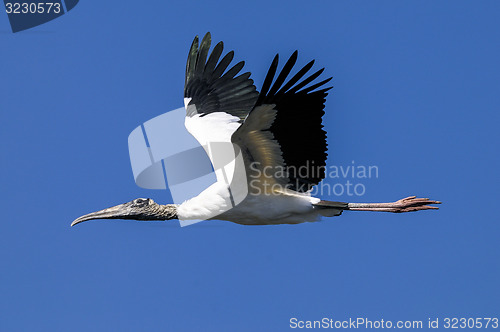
(416, 93)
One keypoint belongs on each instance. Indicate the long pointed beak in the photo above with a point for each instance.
(115, 212)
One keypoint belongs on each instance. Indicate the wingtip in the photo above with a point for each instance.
(194, 44)
(220, 44)
(206, 39)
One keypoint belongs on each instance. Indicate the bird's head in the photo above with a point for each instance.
(138, 209)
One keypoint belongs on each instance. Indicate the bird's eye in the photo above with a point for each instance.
(140, 201)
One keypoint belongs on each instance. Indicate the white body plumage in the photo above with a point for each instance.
(215, 201)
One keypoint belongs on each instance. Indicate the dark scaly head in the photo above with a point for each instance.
(138, 209)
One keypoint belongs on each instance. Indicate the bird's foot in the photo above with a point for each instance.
(412, 203)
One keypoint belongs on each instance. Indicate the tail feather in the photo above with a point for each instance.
(331, 204)
(330, 208)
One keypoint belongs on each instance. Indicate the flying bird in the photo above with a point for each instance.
(275, 132)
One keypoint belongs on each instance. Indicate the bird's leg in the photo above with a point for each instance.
(407, 204)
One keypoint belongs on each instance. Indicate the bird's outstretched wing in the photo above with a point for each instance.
(216, 101)
(282, 132)
(282, 138)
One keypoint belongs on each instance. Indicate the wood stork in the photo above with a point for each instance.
(279, 127)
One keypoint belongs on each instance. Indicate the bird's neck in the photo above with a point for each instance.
(167, 212)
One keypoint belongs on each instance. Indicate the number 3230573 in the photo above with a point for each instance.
(33, 8)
